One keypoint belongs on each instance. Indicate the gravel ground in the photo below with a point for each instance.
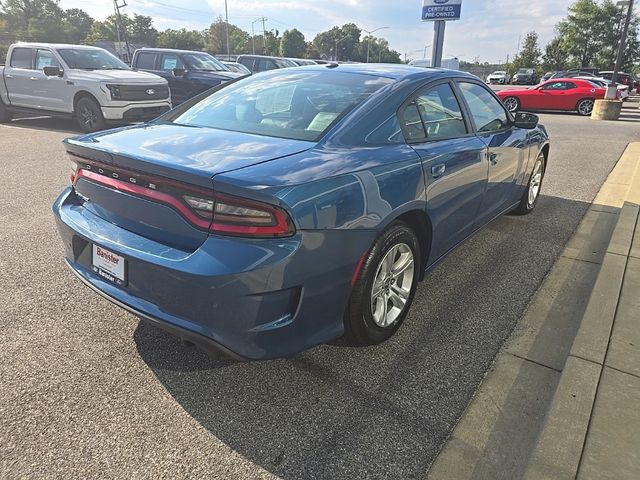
(87, 391)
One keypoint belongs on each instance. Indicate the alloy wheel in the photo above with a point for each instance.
(392, 285)
(89, 117)
(535, 182)
(511, 103)
(585, 107)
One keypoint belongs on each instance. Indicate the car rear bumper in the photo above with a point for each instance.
(252, 299)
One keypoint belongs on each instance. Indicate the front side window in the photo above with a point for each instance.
(21, 58)
(91, 59)
(247, 62)
(487, 112)
(265, 64)
(170, 61)
(204, 62)
(299, 106)
(555, 86)
(45, 58)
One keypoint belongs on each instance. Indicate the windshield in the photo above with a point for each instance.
(525, 71)
(499, 73)
(91, 59)
(205, 62)
(285, 63)
(285, 104)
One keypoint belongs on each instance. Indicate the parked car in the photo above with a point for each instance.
(500, 77)
(188, 72)
(569, 94)
(87, 83)
(621, 77)
(290, 208)
(301, 62)
(571, 74)
(237, 67)
(525, 76)
(260, 63)
(623, 90)
(547, 76)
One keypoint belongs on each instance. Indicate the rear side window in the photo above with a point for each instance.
(170, 61)
(146, 61)
(265, 64)
(21, 58)
(487, 112)
(247, 62)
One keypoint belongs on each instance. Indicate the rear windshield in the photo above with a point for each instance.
(285, 103)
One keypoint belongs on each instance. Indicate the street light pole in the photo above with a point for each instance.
(369, 32)
(226, 14)
(612, 89)
(253, 34)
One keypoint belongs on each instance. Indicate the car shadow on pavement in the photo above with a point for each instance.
(385, 411)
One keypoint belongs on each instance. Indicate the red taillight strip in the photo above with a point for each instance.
(282, 226)
(146, 193)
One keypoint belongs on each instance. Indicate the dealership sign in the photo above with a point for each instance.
(433, 10)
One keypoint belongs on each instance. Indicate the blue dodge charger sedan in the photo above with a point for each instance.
(290, 208)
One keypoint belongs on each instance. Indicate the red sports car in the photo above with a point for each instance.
(558, 94)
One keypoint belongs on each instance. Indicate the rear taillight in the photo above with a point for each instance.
(215, 212)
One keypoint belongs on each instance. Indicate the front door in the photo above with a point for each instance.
(453, 160)
(50, 93)
(507, 149)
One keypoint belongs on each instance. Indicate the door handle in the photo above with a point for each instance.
(493, 158)
(8, 75)
(33, 78)
(438, 170)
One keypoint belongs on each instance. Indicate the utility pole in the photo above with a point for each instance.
(612, 89)
(264, 36)
(369, 32)
(253, 34)
(117, 6)
(226, 15)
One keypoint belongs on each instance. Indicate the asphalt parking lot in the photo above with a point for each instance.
(88, 391)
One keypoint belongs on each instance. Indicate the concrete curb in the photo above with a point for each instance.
(557, 354)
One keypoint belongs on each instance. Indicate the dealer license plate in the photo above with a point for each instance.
(108, 265)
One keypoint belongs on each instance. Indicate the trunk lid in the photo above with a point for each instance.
(121, 165)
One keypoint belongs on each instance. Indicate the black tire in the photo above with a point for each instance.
(360, 326)
(89, 115)
(526, 206)
(585, 106)
(5, 113)
(515, 101)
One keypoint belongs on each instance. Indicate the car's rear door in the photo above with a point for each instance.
(507, 148)
(453, 160)
(18, 76)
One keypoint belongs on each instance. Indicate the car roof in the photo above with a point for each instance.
(390, 70)
(170, 50)
(56, 45)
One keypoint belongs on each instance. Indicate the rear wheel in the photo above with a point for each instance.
(385, 287)
(512, 104)
(530, 196)
(89, 115)
(5, 114)
(585, 106)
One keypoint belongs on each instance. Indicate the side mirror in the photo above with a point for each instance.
(53, 71)
(178, 72)
(525, 120)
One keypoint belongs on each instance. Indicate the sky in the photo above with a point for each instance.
(488, 29)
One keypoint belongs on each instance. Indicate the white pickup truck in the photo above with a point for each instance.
(87, 83)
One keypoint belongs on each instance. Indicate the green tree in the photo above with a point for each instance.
(590, 35)
(216, 41)
(35, 20)
(141, 30)
(341, 42)
(293, 44)
(108, 30)
(79, 23)
(529, 56)
(181, 39)
(555, 56)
